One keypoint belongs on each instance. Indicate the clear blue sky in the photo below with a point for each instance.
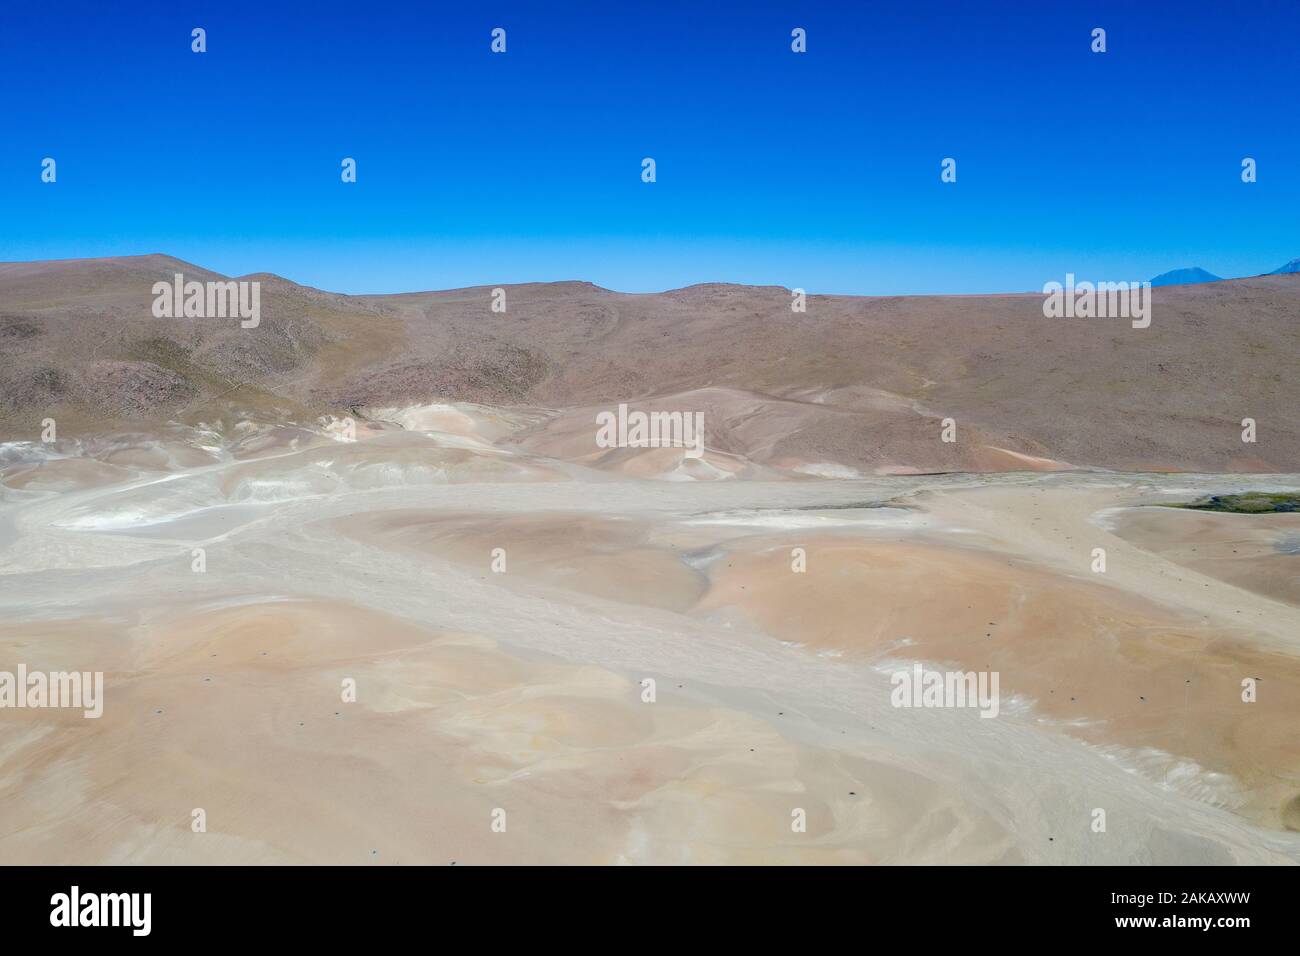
(818, 170)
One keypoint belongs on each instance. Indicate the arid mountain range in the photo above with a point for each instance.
(363, 576)
(860, 382)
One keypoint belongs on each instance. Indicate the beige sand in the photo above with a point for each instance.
(1258, 553)
(522, 690)
(239, 712)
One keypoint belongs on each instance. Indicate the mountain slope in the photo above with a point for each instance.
(857, 382)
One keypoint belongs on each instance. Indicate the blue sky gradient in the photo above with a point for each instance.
(818, 170)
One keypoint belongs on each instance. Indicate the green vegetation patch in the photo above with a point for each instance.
(1247, 503)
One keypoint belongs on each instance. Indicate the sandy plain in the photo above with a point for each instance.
(520, 687)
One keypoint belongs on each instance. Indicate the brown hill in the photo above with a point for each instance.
(857, 382)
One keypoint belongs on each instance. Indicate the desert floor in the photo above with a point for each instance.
(509, 685)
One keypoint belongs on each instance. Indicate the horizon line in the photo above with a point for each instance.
(667, 291)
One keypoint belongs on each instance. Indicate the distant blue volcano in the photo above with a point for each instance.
(1185, 277)
(1292, 266)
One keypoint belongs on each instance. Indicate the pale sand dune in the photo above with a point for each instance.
(483, 425)
(762, 437)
